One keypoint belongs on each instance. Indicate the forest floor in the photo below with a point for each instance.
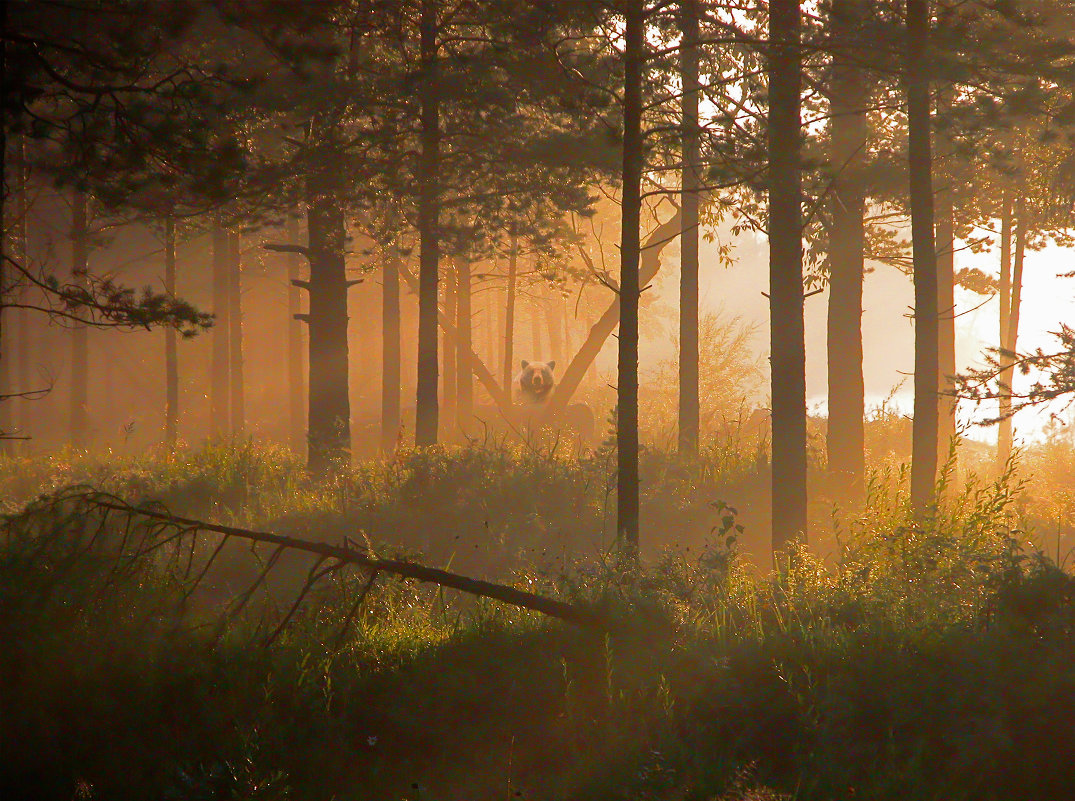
(924, 660)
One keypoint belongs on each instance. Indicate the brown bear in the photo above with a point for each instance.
(534, 385)
(535, 381)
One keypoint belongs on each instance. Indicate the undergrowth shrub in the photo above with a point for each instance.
(931, 661)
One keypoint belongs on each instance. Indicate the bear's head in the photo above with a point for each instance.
(535, 382)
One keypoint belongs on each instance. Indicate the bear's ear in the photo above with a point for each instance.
(525, 364)
(552, 365)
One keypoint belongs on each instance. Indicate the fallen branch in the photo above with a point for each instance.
(484, 589)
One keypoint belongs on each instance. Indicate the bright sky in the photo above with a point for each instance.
(888, 333)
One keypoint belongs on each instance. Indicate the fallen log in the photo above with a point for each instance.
(561, 610)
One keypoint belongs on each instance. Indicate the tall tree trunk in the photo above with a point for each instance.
(847, 207)
(448, 380)
(13, 214)
(627, 489)
(536, 347)
(79, 333)
(427, 412)
(23, 347)
(171, 352)
(509, 310)
(464, 388)
(569, 339)
(235, 321)
(920, 158)
(22, 253)
(1005, 290)
(329, 432)
(296, 381)
(6, 416)
(946, 323)
(788, 348)
(550, 305)
(391, 370)
(1005, 434)
(220, 368)
(948, 404)
(690, 138)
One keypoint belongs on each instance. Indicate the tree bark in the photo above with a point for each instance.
(690, 144)
(920, 163)
(464, 388)
(171, 349)
(509, 310)
(946, 325)
(788, 349)
(536, 347)
(329, 427)
(627, 488)
(391, 369)
(296, 381)
(79, 332)
(427, 412)
(550, 306)
(220, 368)
(235, 338)
(947, 404)
(13, 212)
(22, 252)
(1005, 433)
(448, 379)
(846, 439)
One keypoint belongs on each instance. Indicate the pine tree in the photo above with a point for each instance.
(788, 349)
(920, 162)
(691, 181)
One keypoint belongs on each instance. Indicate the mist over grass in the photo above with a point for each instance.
(925, 659)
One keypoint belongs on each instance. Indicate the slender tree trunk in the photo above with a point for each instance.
(171, 351)
(329, 432)
(1005, 290)
(25, 380)
(689, 406)
(788, 348)
(537, 348)
(235, 321)
(1005, 434)
(920, 158)
(6, 416)
(464, 388)
(946, 323)
(22, 252)
(569, 339)
(14, 221)
(627, 489)
(427, 419)
(79, 333)
(496, 324)
(509, 310)
(448, 380)
(391, 371)
(296, 381)
(220, 369)
(7, 289)
(847, 207)
(948, 404)
(550, 307)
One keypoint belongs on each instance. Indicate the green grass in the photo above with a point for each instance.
(928, 660)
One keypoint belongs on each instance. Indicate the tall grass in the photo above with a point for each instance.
(930, 660)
